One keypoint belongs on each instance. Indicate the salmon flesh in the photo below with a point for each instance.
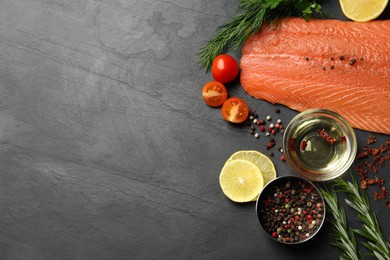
(336, 65)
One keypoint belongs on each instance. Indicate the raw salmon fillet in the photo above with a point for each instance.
(331, 64)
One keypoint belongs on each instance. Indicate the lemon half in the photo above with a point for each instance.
(262, 162)
(363, 10)
(241, 180)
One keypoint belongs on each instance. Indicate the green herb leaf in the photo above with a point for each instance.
(274, 3)
(370, 229)
(344, 238)
(250, 16)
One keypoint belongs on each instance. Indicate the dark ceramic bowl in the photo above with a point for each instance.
(291, 210)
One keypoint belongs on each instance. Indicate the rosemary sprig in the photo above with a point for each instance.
(344, 238)
(370, 228)
(251, 14)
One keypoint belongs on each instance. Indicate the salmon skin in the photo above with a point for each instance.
(331, 64)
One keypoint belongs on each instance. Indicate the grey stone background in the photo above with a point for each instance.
(107, 150)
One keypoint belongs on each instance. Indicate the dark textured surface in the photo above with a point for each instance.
(107, 150)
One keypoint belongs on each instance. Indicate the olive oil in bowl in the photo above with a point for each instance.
(319, 144)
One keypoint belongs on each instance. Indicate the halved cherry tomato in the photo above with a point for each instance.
(224, 68)
(214, 93)
(235, 110)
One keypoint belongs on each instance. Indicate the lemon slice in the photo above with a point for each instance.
(241, 180)
(262, 162)
(362, 10)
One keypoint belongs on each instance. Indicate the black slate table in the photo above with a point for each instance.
(107, 150)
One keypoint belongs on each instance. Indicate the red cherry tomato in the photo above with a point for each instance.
(235, 110)
(214, 93)
(224, 68)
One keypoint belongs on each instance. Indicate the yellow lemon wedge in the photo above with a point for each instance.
(241, 180)
(363, 10)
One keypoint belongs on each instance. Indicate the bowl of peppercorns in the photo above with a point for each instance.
(291, 210)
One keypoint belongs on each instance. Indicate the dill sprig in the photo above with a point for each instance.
(370, 228)
(344, 239)
(251, 14)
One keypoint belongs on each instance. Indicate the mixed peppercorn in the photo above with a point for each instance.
(292, 210)
(268, 128)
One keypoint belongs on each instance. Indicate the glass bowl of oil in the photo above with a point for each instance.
(319, 144)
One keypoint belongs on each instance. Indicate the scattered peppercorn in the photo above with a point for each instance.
(331, 67)
(361, 58)
(341, 57)
(307, 58)
(277, 111)
(331, 58)
(271, 154)
(323, 68)
(270, 145)
(271, 129)
(352, 61)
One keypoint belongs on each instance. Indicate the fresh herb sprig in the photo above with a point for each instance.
(251, 14)
(344, 238)
(370, 229)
